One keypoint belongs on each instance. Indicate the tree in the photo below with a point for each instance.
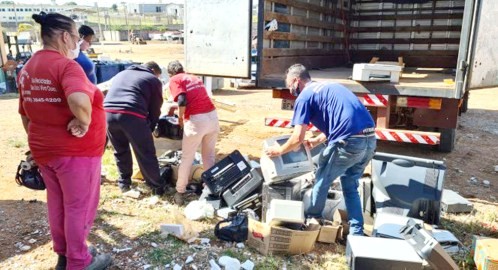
(71, 4)
(7, 2)
(114, 7)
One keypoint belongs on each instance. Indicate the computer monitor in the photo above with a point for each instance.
(287, 166)
(408, 186)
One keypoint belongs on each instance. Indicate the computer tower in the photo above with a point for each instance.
(289, 190)
(408, 186)
(334, 202)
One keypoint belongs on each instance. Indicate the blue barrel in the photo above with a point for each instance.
(106, 71)
(125, 65)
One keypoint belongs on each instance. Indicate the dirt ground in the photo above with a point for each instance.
(126, 223)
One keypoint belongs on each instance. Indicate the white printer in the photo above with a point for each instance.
(376, 72)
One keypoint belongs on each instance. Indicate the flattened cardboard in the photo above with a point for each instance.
(272, 239)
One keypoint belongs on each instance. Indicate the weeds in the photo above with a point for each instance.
(9, 95)
(159, 256)
(237, 254)
(17, 143)
(270, 263)
(167, 252)
(109, 165)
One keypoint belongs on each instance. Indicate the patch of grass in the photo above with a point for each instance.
(110, 196)
(17, 143)
(109, 165)
(336, 261)
(9, 95)
(491, 216)
(270, 263)
(235, 253)
(482, 221)
(159, 256)
(164, 255)
(146, 229)
(465, 230)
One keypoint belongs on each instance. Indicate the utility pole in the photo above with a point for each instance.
(15, 14)
(3, 52)
(125, 10)
(101, 36)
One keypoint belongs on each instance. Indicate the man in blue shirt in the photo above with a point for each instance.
(349, 129)
(86, 34)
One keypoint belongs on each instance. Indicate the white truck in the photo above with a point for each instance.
(447, 48)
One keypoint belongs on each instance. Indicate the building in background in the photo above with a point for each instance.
(13, 14)
(173, 10)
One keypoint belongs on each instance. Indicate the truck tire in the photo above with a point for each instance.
(465, 102)
(447, 140)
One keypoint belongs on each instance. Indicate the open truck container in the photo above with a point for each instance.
(447, 46)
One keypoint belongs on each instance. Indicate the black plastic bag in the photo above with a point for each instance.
(236, 231)
(166, 174)
(29, 175)
(168, 127)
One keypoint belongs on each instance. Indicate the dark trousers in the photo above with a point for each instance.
(123, 130)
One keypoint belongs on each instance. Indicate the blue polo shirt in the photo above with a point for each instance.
(333, 109)
(88, 66)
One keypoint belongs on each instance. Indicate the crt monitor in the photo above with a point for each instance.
(287, 166)
(408, 186)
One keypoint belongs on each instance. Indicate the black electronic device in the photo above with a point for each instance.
(168, 127)
(226, 172)
(242, 188)
(253, 202)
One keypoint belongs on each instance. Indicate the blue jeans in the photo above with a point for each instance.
(347, 159)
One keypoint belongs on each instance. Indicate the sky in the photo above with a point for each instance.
(102, 3)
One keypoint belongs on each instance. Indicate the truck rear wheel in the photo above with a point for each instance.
(447, 140)
(465, 103)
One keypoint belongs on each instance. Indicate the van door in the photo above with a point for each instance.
(218, 37)
(478, 56)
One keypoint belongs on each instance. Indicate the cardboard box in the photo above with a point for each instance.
(329, 232)
(486, 253)
(273, 239)
(341, 218)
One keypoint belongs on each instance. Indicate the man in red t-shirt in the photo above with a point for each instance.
(199, 119)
